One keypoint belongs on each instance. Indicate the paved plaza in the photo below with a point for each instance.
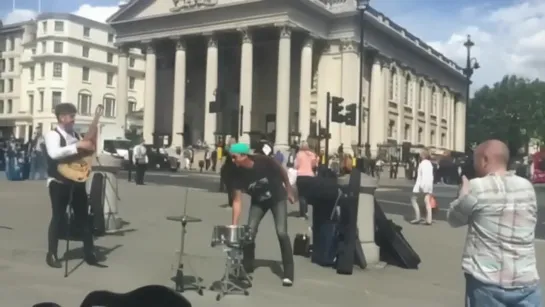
(145, 252)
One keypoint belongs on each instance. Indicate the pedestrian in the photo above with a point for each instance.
(423, 186)
(140, 161)
(500, 211)
(305, 163)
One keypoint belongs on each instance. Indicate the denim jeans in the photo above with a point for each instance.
(479, 294)
(38, 167)
(279, 211)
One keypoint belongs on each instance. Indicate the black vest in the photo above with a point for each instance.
(52, 171)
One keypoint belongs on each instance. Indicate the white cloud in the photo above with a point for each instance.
(508, 40)
(18, 16)
(97, 13)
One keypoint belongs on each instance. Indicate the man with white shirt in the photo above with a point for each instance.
(63, 143)
(423, 185)
(140, 161)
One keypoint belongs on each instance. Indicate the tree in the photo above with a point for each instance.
(512, 110)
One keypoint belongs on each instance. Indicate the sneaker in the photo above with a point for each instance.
(286, 282)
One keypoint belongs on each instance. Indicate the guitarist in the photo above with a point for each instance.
(62, 143)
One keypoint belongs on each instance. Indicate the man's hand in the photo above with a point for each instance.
(291, 198)
(85, 145)
(464, 189)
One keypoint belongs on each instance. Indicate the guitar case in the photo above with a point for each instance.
(325, 237)
(96, 202)
(394, 248)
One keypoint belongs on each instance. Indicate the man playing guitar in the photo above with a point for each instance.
(61, 144)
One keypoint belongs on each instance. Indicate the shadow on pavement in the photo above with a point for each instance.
(77, 253)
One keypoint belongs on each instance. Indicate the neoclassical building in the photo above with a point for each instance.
(270, 64)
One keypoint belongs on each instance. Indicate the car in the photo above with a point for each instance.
(160, 160)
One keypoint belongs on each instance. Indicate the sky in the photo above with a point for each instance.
(509, 35)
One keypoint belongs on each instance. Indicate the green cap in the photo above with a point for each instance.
(240, 149)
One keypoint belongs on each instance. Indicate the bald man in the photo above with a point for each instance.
(500, 211)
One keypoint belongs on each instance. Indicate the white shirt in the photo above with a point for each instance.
(53, 146)
(139, 151)
(424, 179)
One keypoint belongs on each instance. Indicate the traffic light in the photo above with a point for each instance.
(351, 115)
(337, 110)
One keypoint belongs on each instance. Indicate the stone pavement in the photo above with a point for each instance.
(145, 252)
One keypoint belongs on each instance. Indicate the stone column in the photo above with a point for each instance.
(178, 108)
(283, 89)
(377, 107)
(349, 88)
(415, 98)
(427, 115)
(211, 87)
(460, 126)
(246, 84)
(452, 123)
(122, 89)
(150, 87)
(305, 86)
(440, 112)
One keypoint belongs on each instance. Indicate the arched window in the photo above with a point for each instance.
(393, 86)
(433, 101)
(84, 102)
(407, 132)
(443, 139)
(109, 106)
(408, 91)
(420, 134)
(432, 137)
(422, 96)
(444, 108)
(391, 127)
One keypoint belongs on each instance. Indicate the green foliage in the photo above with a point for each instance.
(512, 110)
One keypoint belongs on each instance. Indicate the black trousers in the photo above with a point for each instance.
(61, 195)
(279, 211)
(304, 189)
(140, 172)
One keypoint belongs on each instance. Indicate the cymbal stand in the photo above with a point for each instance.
(179, 279)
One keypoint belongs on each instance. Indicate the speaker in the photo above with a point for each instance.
(406, 151)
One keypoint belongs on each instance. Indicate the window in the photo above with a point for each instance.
(422, 96)
(110, 38)
(33, 51)
(131, 62)
(131, 83)
(110, 79)
(57, 70)
(44, 26)
(1, 106)
(2, 65)
(2, 86)
(132, 107)
(11, 65)
(42, 70)
(420, 132)
(84, 104)
(11, 44)
(443, 139)
(59, 26)
(444, 108)
(10, 85)
(86, 32)
(407, 132)
(31, 103)
(433, 101)
(391, 127)
(44, 47)
(56, 98)
(432, 137)
(109, 107)
(32, 73)
(393, 86)
(85, 52)
(10, 106)
(408, 91)
(85, 74)
(41, 106)
(110, 57)
(58, 47)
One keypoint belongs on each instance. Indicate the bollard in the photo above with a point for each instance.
(366, 219)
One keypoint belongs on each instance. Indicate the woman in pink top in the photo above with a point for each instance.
(305, 163)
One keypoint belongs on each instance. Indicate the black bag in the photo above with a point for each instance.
(301, 245)
(325, 235)
(96, 202)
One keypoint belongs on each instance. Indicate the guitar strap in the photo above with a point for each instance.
(63, 139)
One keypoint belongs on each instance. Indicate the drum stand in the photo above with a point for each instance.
(234, 274)
(179, 279)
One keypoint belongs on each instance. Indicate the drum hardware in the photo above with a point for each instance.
(179, 279)
(235, 279)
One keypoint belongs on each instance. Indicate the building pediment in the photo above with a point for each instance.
(138, 9)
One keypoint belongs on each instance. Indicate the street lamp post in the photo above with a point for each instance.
(471, 66)
(362, 7)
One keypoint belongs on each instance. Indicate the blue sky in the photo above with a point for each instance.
(509, 34)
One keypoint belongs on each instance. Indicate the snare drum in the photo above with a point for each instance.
(230, 235)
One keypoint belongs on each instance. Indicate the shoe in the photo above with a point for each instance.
(415, 221)
(286, 282)
(53, 261)
(91, 259)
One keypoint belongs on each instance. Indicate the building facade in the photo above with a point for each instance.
(270, 65)
(65, 58)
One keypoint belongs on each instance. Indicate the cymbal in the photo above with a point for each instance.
(182, 218)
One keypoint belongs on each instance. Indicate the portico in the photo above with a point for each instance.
(270, 66)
